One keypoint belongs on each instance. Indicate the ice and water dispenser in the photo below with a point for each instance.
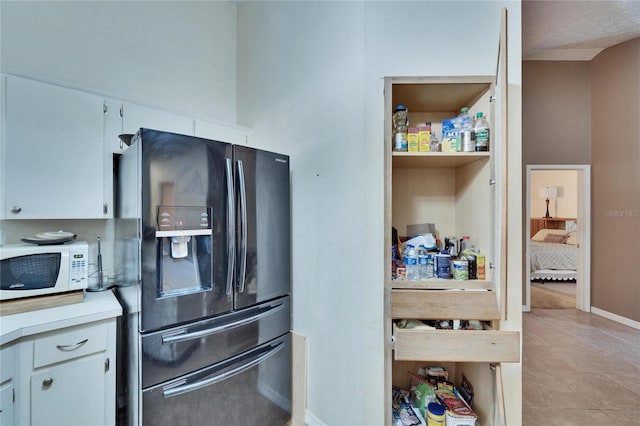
(184, 242)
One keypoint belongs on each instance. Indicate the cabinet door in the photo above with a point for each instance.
(7, 404)
(53, 164)
(112, 146)
(137, 116)
(222, 132)
(72, 393)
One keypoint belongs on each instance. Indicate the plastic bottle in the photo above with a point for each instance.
(465, 121)
(435, 143)
(400, 127)
(411, 262)
(465, 244)
(422, 262)
(482, 133)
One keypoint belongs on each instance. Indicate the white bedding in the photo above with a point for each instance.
(553, 261)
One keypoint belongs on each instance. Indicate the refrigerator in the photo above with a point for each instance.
(203, 268)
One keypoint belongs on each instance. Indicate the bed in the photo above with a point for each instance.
(554, 255)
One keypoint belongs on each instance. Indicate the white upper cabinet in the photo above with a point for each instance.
(135, 116)
(223, 132)
(53, 152)
(59, 147)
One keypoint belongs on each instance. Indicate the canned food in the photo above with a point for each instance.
(460, 269)
(442, 266)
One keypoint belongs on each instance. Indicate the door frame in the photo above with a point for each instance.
(583, 217)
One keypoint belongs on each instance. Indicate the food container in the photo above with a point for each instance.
(460, 269)
(435, 414)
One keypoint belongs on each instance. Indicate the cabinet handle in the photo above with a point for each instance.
(71, 347)
(16, 209)
(47, 382)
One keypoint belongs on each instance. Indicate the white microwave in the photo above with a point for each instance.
(33, 270)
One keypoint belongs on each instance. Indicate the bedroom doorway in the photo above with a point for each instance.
(545, 182)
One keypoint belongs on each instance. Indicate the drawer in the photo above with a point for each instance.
(444, 304)
(69, 343)
(173, 352)
(456, 345)
(7, 363)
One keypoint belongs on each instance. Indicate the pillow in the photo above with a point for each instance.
(572, 238)
(555, 238)
(539, 236)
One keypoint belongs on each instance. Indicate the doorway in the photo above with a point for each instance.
(582, 226)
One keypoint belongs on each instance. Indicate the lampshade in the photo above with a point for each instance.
(548, 192)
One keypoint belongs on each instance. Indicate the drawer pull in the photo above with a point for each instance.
(47, 382)
(68, 348)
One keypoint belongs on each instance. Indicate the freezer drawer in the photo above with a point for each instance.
(170, 353)
(252, 388)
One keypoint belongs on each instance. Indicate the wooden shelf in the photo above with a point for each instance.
(456, 345)
(440, 284)
(444, 304)
(436, 159)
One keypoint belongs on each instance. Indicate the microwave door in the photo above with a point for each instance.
(184, 212)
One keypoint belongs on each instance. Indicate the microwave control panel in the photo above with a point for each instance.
(78, 270)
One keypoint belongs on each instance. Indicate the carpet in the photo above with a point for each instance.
(547, 298)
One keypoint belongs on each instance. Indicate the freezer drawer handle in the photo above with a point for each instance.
(231, 218)
(243, 227)
(184, 388)
(182, 335)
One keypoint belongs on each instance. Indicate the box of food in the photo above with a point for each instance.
(458, 413)
(413, 139)
(424, 138)
(449, 135)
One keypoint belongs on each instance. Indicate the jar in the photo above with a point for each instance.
(435, 414)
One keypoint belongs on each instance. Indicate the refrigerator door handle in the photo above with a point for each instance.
(243, 227)
(231, 215)
(180, 387)
(183, 334)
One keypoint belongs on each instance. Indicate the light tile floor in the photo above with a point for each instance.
(579, 369)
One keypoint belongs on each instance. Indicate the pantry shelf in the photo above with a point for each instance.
(440, 284)
(456, 345)
(408, 160)
(444, 304)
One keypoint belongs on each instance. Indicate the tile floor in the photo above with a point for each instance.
(579, 369)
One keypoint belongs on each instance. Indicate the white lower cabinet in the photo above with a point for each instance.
(51, 389)
(67, 376)
(7, 391)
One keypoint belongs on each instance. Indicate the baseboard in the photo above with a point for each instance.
(526, 308)
(617, 318)
(313, 420)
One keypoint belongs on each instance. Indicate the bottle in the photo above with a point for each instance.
(482, 132)
(400, 125)
(411, 262)
(435, 143)
(467, 141)
(465, 244)
(422, 262)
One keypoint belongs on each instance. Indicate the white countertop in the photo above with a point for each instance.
(96, 306)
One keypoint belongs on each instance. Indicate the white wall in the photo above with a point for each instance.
(310, 81)
(566, 205)
(179, 56)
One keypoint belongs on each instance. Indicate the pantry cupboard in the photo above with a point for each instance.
(462, 193)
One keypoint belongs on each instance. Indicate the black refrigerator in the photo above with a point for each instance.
(203, 257)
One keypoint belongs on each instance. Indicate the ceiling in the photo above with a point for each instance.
(576, 30)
